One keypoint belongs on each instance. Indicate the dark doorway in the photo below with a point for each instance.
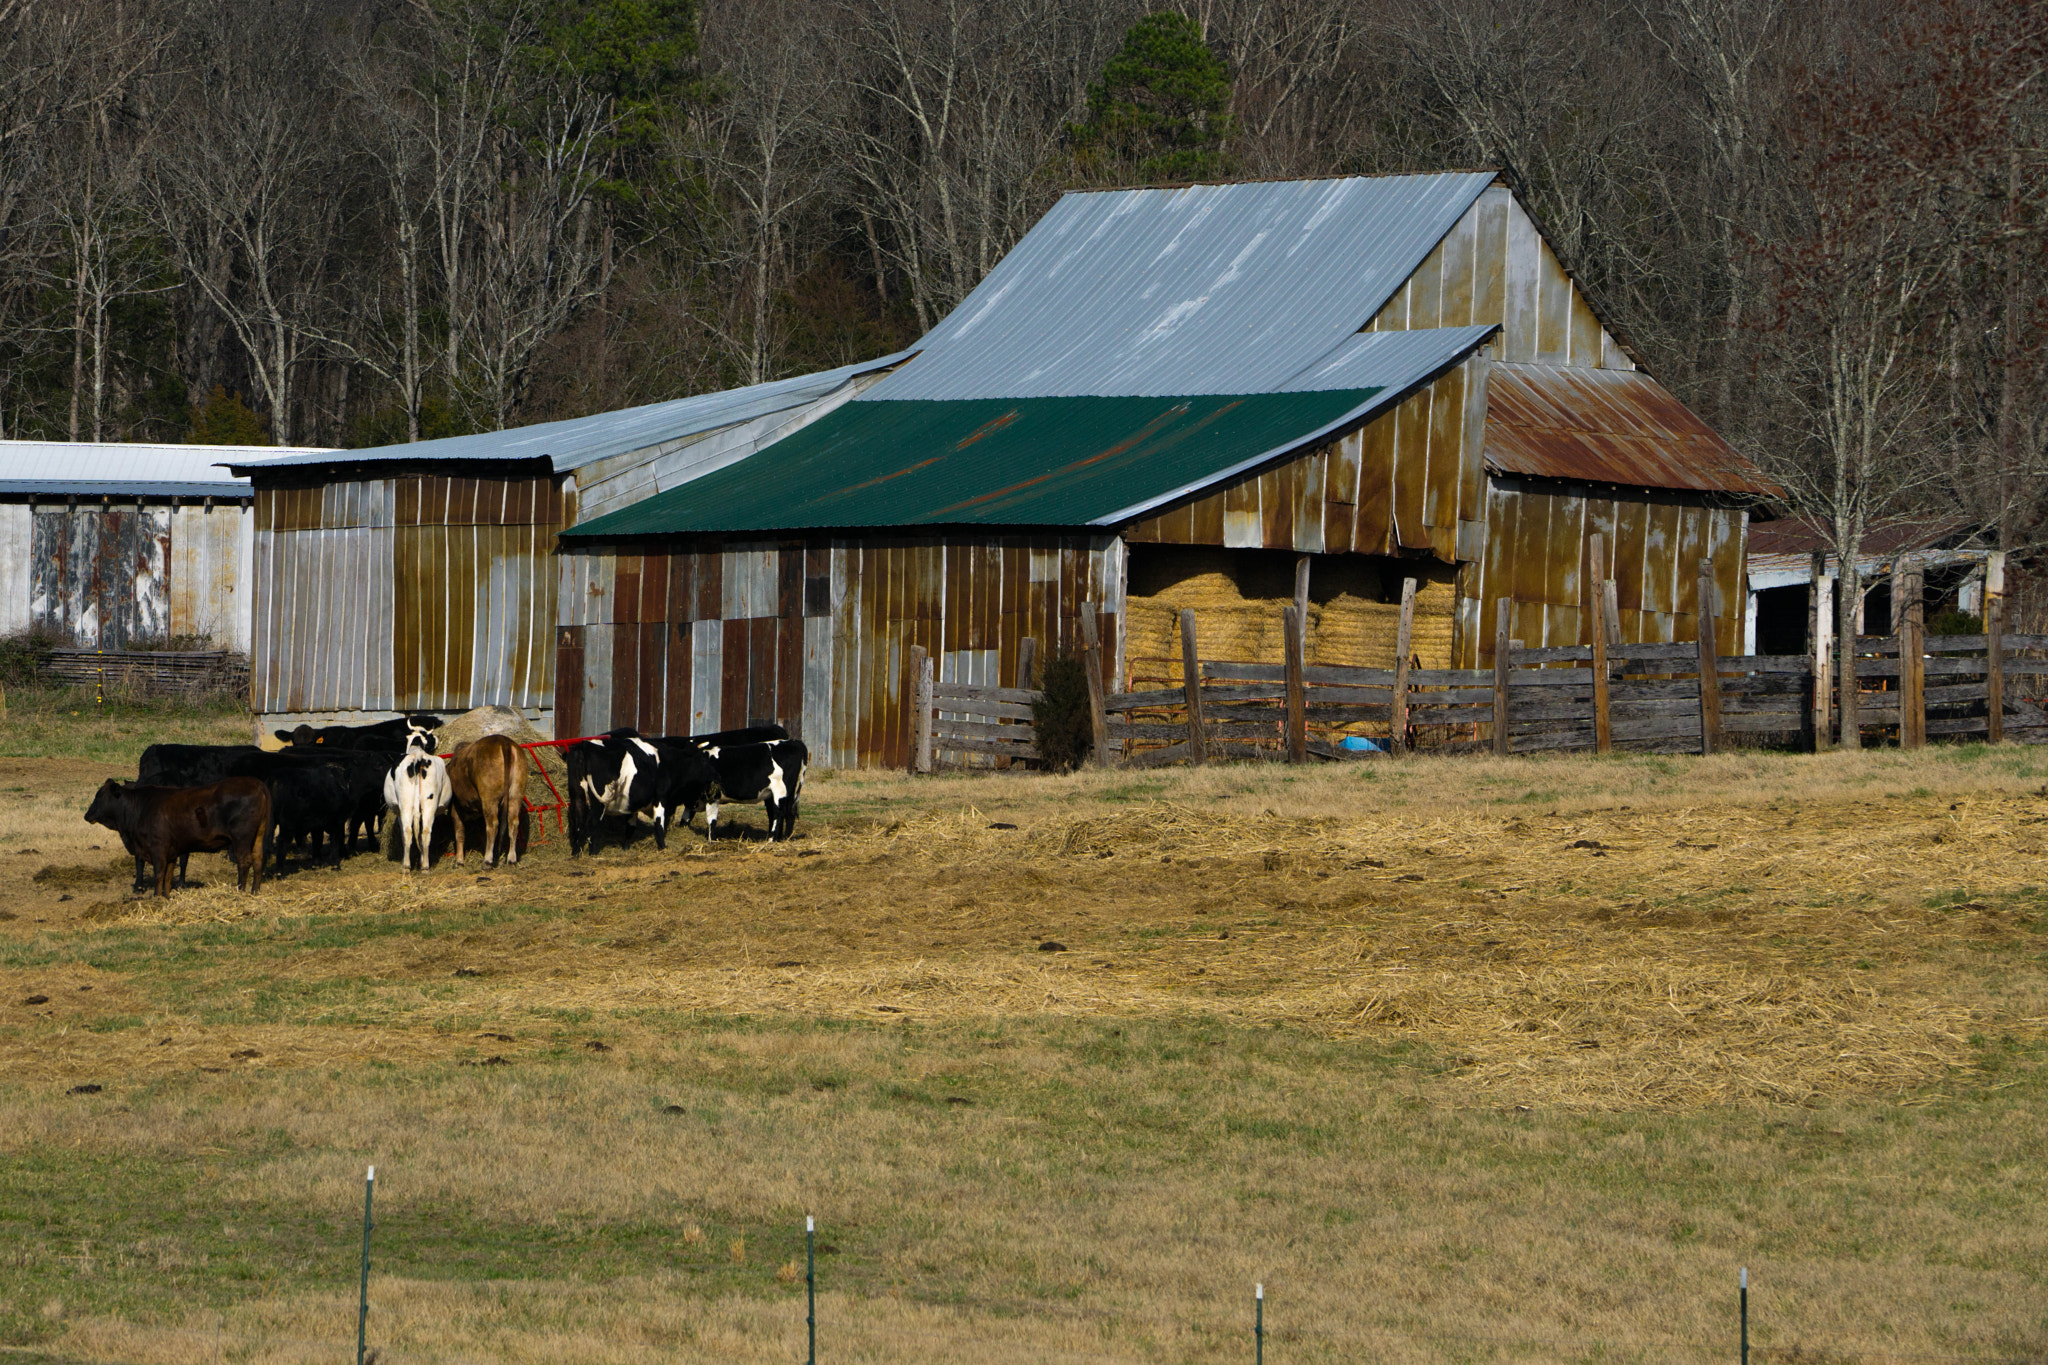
(1781, 620)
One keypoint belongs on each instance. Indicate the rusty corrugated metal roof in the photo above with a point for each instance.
(1606, 426)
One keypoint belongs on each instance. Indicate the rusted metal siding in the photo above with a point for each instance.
(211, 585)
(412, 593)
(1537, 541)
(16, 565)
(1410, 480)
(101, 573)
(813, 634)
(1493, 266)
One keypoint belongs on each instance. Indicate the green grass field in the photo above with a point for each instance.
(1464, 1061)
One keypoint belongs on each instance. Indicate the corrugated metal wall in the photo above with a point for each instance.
(1410, 480)
(815, 635)
(414, 593)
(16, 566)
(101, 573)
(1536, 550)
(1494, 266)
(211, 586)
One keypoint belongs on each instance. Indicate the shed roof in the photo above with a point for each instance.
(96, 468)
(1073, 460)
(1606, 426)
(577, 441)
(1205, 289)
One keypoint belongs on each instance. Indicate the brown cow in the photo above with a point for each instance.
(163, 824)
(488, 777)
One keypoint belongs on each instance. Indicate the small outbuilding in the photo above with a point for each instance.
(421, 577)
(119, 545)
(1167, 399)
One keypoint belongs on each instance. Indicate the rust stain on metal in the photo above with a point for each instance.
(1606, 426)
(996, 425)
(1139, 437)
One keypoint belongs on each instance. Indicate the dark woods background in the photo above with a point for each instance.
(366, 221)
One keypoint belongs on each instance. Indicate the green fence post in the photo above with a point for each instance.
(1259, 1324)
(1745, 1315)
(811, 1283)
(363, 1312)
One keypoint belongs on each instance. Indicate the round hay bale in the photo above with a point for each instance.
(505, 720)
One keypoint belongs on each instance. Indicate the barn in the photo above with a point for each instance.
(420, 577)
(119, 544)
(1169, 398)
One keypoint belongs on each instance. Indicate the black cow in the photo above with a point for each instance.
(309, 800)
(166, 823)
(190, 765)
(624, 774)
(386, 736)
(772, 772)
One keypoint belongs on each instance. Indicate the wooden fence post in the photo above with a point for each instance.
(1502, 655)
(1710, 665)
(1297, 719)
(1091, 660)
(1191, 685)
(920, 710)
(1404, 644)
(1913, 665)
(1994, 668)
(1820, 637)
(1848, 688)
(1603, 727)
(1301, 600)
(1027, 659)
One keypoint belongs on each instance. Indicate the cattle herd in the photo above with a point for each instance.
(332, 785)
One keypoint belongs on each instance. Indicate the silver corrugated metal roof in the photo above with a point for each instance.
(1207, 289)
(95, 467)
(578, 441)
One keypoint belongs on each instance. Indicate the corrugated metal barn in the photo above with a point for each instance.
(123, 544)
(1163, 399)
(420, 577)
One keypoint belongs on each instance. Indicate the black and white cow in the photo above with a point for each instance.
(771, 772)
(624, 774)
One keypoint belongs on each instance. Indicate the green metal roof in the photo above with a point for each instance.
(984, 462)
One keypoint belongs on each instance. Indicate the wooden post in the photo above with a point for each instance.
(1819, 641)
(1297, 719)
(1404, 644)
(920, 710)
(1710, 665)
(1091, 662)
(1611, 601)
(1994, 668)
(1301, 600)
(1191, 685)
(1603, 729)
(1502, 661)
(1912, 664)
(1027, 659)
(1848, 594)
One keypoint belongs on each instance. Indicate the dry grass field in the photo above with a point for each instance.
(1466, 1060)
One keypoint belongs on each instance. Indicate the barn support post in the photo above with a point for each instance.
(1091, 661)
(1603, 729)
(1994, 669)
(1297, 717)
(920, 710)
(1710, 664)
(1912, 663)
(363, 1304)
(1027, 659)
(1404, 645)
(1191, 686)
(1502, 661)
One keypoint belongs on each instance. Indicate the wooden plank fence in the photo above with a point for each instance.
(1605, 696)
(156, 671)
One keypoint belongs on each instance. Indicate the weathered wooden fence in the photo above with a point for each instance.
(1604, 696)
(157, 671)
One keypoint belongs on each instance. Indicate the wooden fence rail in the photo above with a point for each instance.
(1661, 698)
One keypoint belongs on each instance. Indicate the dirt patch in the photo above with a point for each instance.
(75, 874)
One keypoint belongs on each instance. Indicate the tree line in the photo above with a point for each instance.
(357, 222)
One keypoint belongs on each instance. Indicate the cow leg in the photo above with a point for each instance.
(490, 836)
(514, 812)
(461, 836)
(163, 874)
(710, 821)
(660, 827)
